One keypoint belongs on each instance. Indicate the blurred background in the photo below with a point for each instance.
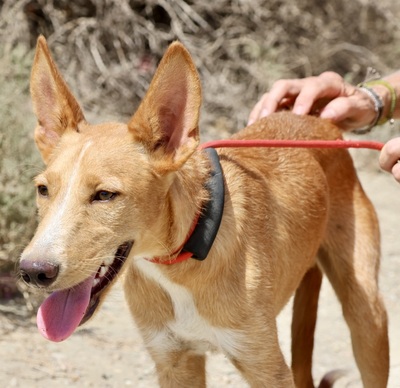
(108, 51)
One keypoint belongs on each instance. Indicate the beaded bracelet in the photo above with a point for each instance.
(393, 97)
(378, 107)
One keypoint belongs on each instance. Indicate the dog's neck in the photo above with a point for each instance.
(207, 218)
(203, 236)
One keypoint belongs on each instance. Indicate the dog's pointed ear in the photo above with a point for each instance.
(54, 105)
(167, 120)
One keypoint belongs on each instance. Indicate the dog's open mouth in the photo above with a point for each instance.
(105, 275)
(63, 311)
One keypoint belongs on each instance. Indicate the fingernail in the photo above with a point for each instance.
(329, 114)
(299, 110)
(251, 121)
(265, 112)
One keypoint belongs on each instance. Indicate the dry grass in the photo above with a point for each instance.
(108, 51)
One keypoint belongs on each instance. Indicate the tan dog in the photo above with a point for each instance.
(125, 196)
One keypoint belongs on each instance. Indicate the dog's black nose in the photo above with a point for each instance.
(38, 273)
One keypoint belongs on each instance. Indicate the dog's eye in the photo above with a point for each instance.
(104, 196)
(43, 190)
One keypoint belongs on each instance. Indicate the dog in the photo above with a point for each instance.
(212, 244)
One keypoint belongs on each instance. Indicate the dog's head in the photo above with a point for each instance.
(103, 193)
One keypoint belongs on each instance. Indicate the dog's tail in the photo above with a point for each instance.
(331, 377)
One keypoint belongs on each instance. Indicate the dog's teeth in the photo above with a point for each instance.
(108, 261)
(96, 281)
(103, 270)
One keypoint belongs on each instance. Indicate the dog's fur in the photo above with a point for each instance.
(289, 214)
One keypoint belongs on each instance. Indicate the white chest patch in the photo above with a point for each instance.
(188, 324)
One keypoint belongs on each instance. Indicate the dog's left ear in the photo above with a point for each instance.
(167, 120)
(53, 103)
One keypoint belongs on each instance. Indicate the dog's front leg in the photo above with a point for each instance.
(261, 361)
(274, 373)
(180, 368)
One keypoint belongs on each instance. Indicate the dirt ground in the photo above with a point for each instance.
(108, 352)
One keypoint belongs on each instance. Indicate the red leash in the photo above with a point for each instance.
(374, 145)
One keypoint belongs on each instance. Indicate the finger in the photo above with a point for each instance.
(255, 114)
(282, 90)
(307, 98)
(304, 93)
(318, 91)
(270, 102)
(396, 172)
(308, 89)
(390, 155)
(338, 109)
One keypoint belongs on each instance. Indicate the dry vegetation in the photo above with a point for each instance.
(108, 51)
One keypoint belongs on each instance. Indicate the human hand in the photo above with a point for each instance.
(390, 156)
(327, 96)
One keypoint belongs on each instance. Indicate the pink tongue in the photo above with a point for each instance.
(60, 314)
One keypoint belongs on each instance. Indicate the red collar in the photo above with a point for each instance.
(179, 255)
